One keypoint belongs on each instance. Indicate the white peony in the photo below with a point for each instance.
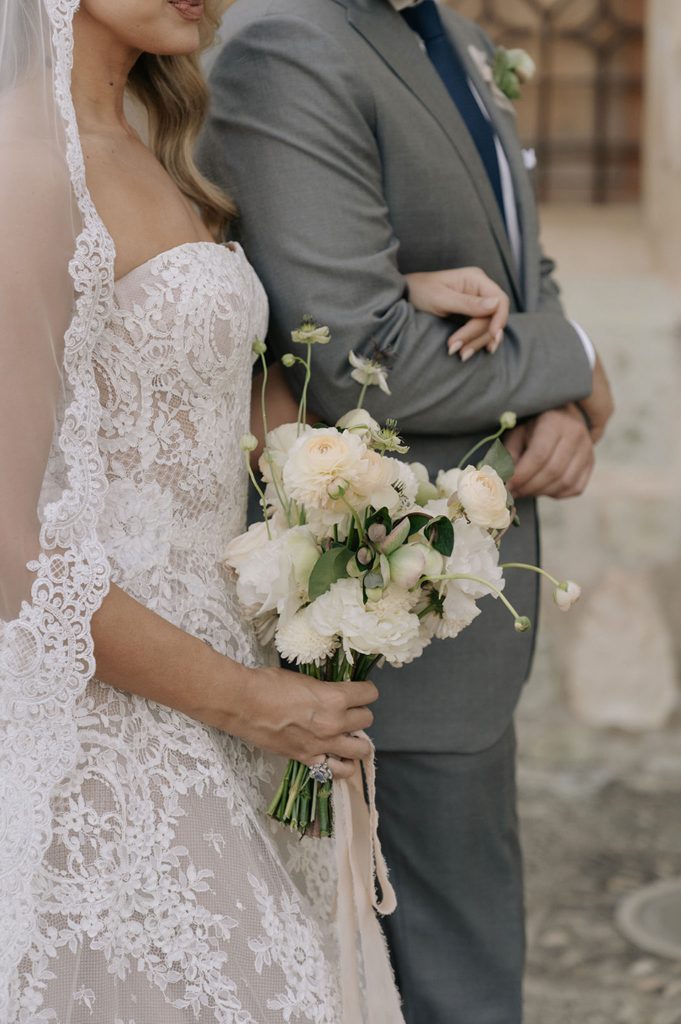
(376, 486)
(299, 643)
(272, 575)
(483, 495)
(458, 611)
(437, 507)
(385, 627)
(474, 554)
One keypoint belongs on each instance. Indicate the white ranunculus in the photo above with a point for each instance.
(359, 422)
(299, 643)
(325, 466)
(474, 554)
(483, 495)
(447, 481)
(376, 486)
(567, 594)
(385, 627)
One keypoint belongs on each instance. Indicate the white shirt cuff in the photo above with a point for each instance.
(587, 343)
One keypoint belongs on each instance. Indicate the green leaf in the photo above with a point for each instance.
(417, 520)
(440, 533)
(382, 517)
(499, 458)
(331, 567)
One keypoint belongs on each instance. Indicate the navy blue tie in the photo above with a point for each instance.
(425, 19)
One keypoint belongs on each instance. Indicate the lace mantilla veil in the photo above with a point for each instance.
(56, 286)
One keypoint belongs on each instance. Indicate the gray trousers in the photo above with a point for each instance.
(449, 830)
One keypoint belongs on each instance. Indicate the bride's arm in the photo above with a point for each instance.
(284, 712)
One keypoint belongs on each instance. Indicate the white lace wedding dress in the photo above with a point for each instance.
(166, 896)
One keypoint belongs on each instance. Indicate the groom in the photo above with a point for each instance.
(361, 142)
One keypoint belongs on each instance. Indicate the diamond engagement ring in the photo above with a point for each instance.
(321, 772)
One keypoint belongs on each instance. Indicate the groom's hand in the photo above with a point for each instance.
(599, 406)
(554, 455)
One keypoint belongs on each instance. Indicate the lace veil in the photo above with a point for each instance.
(56, 282)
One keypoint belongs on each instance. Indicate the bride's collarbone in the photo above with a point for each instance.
(140, 205)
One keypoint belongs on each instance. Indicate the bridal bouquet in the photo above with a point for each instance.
(362, 559)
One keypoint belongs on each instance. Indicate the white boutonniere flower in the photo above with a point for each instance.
(505, 74)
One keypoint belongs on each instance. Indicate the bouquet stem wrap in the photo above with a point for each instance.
(360, 865)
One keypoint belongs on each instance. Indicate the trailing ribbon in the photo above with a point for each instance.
(361, 864)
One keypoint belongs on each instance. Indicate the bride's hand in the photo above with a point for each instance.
(304, 719)
(466, 291)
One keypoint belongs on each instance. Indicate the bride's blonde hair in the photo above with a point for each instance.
(175, 95)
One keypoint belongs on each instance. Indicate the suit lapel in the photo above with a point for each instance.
(505, 127)
(390, 37)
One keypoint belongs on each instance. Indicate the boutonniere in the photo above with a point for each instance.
(505, 75)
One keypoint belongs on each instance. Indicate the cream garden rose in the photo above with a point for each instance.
(324, 466)
(483, 495)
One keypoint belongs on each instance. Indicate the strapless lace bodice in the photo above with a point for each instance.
(164, 897)
(174, 371)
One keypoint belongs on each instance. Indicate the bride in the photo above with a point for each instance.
(139, 880)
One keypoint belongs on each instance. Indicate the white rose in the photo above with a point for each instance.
(483, 495)
(359, 422)
(323, 463)
(447, 481)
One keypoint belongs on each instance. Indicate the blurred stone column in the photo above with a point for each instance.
(662, 168)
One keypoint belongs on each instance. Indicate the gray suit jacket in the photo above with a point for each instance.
(351, 167)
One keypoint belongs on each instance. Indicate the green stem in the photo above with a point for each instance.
(362, 395)
(356, 519)
(476, 579)
(261, 493)
(302, 408)
(480, 444)
(531, 568)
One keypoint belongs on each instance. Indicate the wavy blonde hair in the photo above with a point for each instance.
(174, 93)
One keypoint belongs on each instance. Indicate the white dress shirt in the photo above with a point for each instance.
(508, 196)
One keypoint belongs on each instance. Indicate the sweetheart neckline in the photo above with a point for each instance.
(232, 247)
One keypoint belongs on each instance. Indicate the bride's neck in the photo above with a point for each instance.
(101, 66)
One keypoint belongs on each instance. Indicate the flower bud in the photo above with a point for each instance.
(259, 347)
(508, 420)
(396, 538)
(523, 624)
(407, 565)
(248, 443)
(288, 360)
(365, 556)
(567, 594)
(377, 533)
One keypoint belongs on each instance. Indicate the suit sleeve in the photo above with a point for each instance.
(292, 136)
